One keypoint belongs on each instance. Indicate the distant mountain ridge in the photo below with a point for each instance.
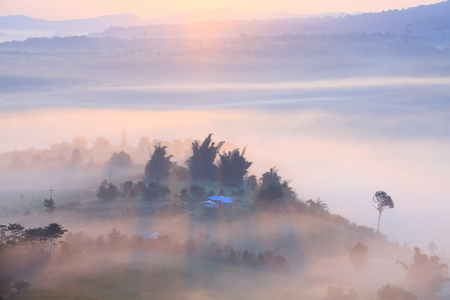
(230, 22)
(98, 24)
(19, 22)
(426, 21)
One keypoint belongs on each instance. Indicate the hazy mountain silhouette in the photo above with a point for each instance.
(230, 22)
(19, 22)
(20, 27)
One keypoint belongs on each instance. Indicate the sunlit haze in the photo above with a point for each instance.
(224, 150)
(60, 10)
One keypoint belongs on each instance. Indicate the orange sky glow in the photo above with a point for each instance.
(58, 10)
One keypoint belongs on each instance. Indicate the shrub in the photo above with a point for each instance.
(20, 284)
(197, 191)
(393, 292)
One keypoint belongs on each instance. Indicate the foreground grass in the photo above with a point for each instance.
(166, 277)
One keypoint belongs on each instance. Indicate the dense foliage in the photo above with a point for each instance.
(12, 236)
(157, 168)
(201, 163)
(233, 167)
(107, 191)
(49, 205)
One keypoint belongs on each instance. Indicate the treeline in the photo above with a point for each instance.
(229, 170)
(201, 245)
(78, 156)
(22, 250)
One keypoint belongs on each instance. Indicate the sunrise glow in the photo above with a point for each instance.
(57, 10)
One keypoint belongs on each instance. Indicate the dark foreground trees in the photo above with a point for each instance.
(14, 237)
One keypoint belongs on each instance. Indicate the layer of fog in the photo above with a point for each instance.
(316, 250)
(343, 157)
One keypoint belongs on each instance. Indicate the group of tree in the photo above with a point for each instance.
(14, 240)
(107, 191)
(425, 278)
(129, 189)
(230, 169)
(426, 274)
(13, 235)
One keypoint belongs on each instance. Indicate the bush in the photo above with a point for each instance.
(20, 284)
(107, 191)
(156, 190)
(388, 292)
(197, 191)
(184, 194)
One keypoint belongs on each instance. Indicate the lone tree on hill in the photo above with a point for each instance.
(232, 167)
(201, 163)
(381, 201)
(158, 166)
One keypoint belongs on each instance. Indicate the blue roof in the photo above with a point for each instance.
(222, 199)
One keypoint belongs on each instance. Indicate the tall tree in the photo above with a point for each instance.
(201, 163)
(158, 166)
(381, 201)
(76, 161)
(233, 167)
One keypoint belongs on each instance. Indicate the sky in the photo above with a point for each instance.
(60, 10)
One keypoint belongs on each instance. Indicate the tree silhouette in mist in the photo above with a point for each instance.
(393, 292)
(201, 163)
(381, 201)
(232, 167)
(158, 166)
(270, 188)
(426, 274)
(49, 205)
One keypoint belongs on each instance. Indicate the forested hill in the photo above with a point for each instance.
(413, 21)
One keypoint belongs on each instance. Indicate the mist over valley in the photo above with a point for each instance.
(317, 114)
